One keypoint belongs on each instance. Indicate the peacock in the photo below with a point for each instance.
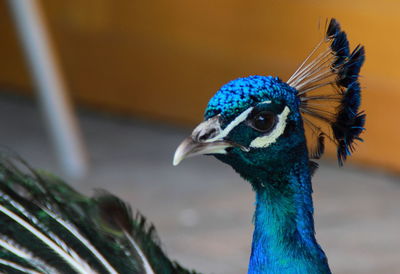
(257, 125)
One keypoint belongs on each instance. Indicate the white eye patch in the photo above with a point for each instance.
(267, 140)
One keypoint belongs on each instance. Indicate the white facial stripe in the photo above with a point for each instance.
(243, 116)
(265, 141)
(223, 133)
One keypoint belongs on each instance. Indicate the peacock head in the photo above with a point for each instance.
(250, 123)
(255, 124)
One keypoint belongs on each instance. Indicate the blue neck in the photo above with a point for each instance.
(283, 239)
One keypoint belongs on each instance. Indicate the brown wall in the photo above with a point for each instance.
(163, 59)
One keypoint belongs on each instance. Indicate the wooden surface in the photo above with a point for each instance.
(164, 59)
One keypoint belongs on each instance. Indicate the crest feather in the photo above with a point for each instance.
(337, 107)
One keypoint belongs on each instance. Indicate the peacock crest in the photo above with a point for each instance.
(331, 64)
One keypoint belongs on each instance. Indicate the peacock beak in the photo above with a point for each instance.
(189, 148)
(205, 139)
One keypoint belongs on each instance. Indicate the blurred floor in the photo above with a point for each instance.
(201, 208)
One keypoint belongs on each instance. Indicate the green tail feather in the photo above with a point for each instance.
(47, 227)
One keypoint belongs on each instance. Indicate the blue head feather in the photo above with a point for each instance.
(242, 93)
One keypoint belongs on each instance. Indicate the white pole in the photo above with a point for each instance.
(53, 98)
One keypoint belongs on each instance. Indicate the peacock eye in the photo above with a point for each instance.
(263, 121)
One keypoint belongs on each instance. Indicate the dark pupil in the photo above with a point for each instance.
(264, 121)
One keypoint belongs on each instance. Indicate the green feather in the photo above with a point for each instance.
(48, 227)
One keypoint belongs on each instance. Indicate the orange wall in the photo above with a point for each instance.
(164, 59)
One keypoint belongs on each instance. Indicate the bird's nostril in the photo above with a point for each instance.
(203, 136)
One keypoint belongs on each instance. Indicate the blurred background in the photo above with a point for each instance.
(127, 80)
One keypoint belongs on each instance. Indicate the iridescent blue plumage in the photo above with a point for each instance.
(283, 239)
(242, 93)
